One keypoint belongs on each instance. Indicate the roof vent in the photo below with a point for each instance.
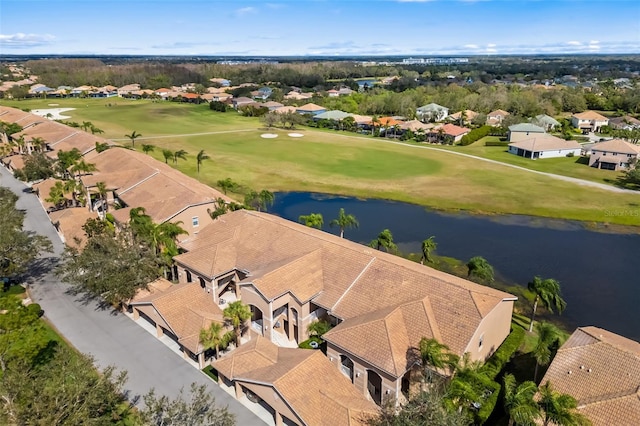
(569, 372)
(589, 370)
(582, 367)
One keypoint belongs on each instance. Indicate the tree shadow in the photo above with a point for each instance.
(582, 160)
(41, 267)
(46, 354)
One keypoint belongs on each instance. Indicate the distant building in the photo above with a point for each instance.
(589, 121)
(544, 146)
(432, 112)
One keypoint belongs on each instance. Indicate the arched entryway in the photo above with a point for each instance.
(294, 321)
(346, 366)
(374, 386)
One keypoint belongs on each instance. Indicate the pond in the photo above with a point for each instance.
(597, 271)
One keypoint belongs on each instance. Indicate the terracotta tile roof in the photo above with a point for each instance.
(602, 371)
(190, 95)
(452, 129)
(305, 379)
(12, 115)
(469, 114)
(545, 142)
(186, 308)
(43, 189)
(617, 145)
(69, 222)
(311, 107)
(346, 278)
(498, 113)
(590, 115)
(385, 121)
(285, 109)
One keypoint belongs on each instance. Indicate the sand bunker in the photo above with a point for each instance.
(268, 135)
(55, 113)
(296, 135)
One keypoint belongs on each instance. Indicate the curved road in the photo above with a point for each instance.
(112, 338)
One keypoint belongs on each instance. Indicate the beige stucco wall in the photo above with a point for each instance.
(493, 329)
(186, 217)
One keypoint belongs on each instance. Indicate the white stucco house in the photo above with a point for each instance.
(544, 146)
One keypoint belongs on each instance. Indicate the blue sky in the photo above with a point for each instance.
(319, 27)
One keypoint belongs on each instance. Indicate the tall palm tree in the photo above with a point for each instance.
(518, 401)
(384, 239)
(213, 337)
(133, 136)
(266, 199)
(200, 158)
(227, 185)
(101, 190)
(82, 168)
(559, 409)
(312, 220)
(221, 207)
(428, 246)
(56, 195)
(167, 154)
(237, 314)
(549, 336)
(73, 187)
(86, 125)
(344, 221)
(435, 356)
(547, 292)
(181, 153)
(95, 130)
(147, 148)
(38, 144)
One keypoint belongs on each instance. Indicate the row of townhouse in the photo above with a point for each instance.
(132, 179)
(291, 275)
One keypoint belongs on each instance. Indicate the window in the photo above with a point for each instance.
(480, 341)
(195, 221)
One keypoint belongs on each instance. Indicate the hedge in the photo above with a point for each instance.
(307, 343)
(489, 404)
(211, 372)
(501, 357)
(476, 134)
(496, 143)
(36, 309)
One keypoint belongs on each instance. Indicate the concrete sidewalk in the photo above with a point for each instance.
(111, 337)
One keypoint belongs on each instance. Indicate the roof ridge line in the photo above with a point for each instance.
(354, 282)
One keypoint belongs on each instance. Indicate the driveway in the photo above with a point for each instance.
(112, 338)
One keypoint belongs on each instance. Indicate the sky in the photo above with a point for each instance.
(318, 27)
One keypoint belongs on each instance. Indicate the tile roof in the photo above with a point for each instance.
(305, 379)
(358, 284)
(186, 308)
(590, 115)
(311, 107)
(602, 371)
(545, 142)
(452, 130)
(498, 113)
(469, 114)
(70, 223)
(617, 145)
(526, 127)
(333, 115)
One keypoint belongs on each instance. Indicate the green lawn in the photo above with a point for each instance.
(567, 166)
(356, 165)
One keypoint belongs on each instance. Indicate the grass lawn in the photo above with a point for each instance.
(576, 167)
(349, 164)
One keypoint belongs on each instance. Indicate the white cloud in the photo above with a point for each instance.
(491, 45)
(21, 40)
(246, 10)
(594, 42)
(471, 46)
(574, 43)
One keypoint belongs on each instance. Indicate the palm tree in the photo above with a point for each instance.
(221, 207)
(435, 356)
(38, 144)
(213, 338)
(73, 187)
(82, 167)
(344, 221)
(101, 190)
(518, 401)
(559, 409)
(428, 246)
(318, 328)
(480, 268)
(56, 195)
(384, 239)
(133, 136)
(549, 337)
(167, 154)
(227, 185)
(200, 158)
(547, 291)
(237, 314)
(266, 199)
(86, 125)
(95, 130)
(312, 220)
(181, 153)
(146, 148)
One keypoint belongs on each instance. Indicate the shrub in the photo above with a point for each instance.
(496, 143)
(211, 372)
(35, 309)
(307, 343)
(571, 154)
(501, 357)
(475, 135)
(489, 404)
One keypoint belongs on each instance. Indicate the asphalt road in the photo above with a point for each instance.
(111, 338)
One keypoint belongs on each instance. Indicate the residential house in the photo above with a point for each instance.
(345, 91)
(311, 109)
(334, 115)
(546, 122)
(463, 117)
(107, 91)
(272, 105)
(285, 110)
(589, 121)
(291, 275)
(624, 123)
(298, 386)
(242, 101)
(432, 112)
(615, 154)
(447, 133)
(601, 370)
(544, 146)
(68, 224)
(333, 93)
(495, 118)
(223, 82)
(127, 89)
(263, 93)
(298, 96)
(522, 131)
